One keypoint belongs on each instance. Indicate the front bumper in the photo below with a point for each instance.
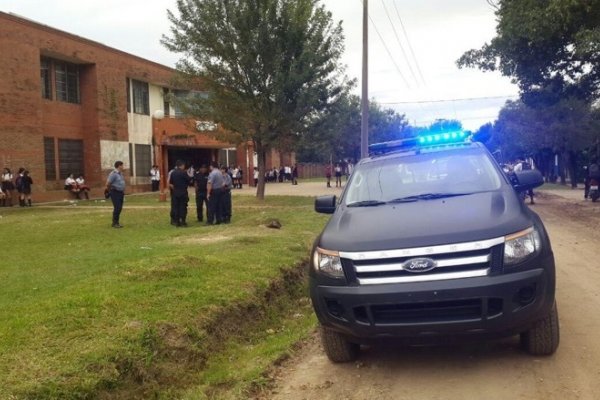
(490, 306)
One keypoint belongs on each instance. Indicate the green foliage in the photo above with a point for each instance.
(338, 135)
(545, 44)
(271, 67)
(570, 125)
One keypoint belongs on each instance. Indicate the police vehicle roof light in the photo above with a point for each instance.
(423, 140)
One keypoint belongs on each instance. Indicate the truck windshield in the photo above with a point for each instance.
(422, 177)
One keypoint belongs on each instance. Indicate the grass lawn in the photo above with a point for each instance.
(87, 310)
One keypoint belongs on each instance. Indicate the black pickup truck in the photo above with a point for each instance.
(430, 242)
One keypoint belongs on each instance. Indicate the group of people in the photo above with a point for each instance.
(77, 186)
(282, 174)
(338, 171)
(213, 185)
(22, 183)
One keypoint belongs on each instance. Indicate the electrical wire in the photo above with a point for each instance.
(412, 72)
(451, 100)
(388, 51)
(410, 48)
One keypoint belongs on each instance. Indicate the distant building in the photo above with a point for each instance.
(72, 105)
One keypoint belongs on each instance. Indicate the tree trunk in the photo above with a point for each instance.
(562, 163)
(573, 168)
(262, 161)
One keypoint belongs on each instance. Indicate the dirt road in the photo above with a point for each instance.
(497, 370)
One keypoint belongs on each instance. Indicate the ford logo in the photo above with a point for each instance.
(419, 265)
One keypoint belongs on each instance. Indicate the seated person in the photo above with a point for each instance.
(83, 188)
(71, 185)
(2, 198)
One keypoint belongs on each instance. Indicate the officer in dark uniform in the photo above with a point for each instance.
(200, 182)
(179, 182)
(214, 194)
(226, 196)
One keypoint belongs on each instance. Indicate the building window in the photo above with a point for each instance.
(141, 98)
(166, 106)
(49, 159)
(70, 157)
(128, 84)
(143, 159)
(45, 78)
(66, 79)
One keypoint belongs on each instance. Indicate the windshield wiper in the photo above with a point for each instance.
(366, 203)
(426, 196)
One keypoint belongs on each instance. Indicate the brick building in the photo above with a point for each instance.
(72, 105)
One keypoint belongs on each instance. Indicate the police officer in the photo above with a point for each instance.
(200, 182)
(178, 183)
(214, 194)
(115, 187)
(226, 196)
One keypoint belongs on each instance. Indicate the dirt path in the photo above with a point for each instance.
(497, 370)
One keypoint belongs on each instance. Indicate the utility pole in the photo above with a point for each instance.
(364, 129)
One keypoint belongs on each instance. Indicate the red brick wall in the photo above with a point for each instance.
(25, 118)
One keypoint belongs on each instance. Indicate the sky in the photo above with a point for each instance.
(438, 32)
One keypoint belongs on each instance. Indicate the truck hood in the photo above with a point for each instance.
(422, 223)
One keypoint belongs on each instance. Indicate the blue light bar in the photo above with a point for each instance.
(441, 138)
(420, 141)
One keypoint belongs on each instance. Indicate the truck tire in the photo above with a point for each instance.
(543, 338)
(337, 347)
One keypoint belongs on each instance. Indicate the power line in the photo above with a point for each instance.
(409, 45)
(412, 72)
(450, 100)
(389, 53)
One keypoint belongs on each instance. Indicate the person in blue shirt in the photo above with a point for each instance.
(115, 186)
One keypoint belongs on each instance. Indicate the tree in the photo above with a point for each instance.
(338, 135)
(565, 128)
(553, 46)
(270, 67)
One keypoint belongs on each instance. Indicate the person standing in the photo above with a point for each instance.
(155, 178)
(214, 192)
(328, 174)
(115, 186)
(7, 186)
(338, 175)
(26, 183)
(19, 186)
(179, 183)
(200, 182)
(295, 174)
(226, 196)
(255, 176)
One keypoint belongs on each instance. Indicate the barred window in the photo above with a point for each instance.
(70, 157)
(141, 97)
(66, 78)
(128, 85)
(143, 159)
(49, 159)
(45, 78)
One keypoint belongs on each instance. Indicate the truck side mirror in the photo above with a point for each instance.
(325, 204)
(527, 180)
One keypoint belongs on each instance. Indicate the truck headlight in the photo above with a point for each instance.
(521, 245)
(328, 263)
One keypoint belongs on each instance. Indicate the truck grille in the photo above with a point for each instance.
(453, 261)
(422, 313)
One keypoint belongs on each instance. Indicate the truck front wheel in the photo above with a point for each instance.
(337, 347)
(543, 338)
